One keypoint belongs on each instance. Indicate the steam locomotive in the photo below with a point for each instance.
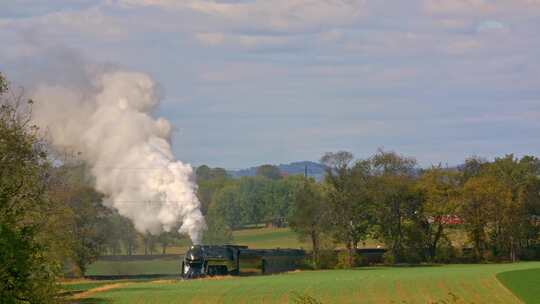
(212, 260)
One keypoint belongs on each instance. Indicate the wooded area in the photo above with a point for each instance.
(389, 198)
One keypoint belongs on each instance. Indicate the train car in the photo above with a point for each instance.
(212, 260)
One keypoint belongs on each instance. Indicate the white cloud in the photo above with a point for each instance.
(462, 46)
(90, 21)
(161, 3)
(331, 36)
(276, 15)
(490, 26)
(234, 72)
(249, 42)
(479, 7)
(211, 38)
(457, 6)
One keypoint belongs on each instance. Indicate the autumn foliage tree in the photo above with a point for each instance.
(349, 203)
(27, 272)
(440, 189)
(309, 214)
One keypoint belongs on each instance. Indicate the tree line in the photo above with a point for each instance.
(492, 206)
(412, 210)
(229, 203)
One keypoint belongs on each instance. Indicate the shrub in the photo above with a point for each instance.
(388, 258)
(412, 256)
(304, 299)
(26, 274)
(530, 254)
(445, 252)
(464, 255)
(343, 260)
(328, 259)
(307, 263)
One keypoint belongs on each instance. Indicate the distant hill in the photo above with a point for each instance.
(314, 170)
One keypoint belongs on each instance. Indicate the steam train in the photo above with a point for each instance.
(212, 260)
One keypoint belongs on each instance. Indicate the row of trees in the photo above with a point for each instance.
(492, 208)
(90, 229)
(230, 203)
(387, 197)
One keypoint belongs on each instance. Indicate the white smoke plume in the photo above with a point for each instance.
(128, 150)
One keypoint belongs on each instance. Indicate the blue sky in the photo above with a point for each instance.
(257, 81)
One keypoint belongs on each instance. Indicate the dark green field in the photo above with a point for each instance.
(524, 283)
(169, 266)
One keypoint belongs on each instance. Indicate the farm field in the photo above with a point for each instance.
(436, 284)
(276, 238)
(84, 285)
(283, 238)
(169, 266)
(254, 238)
(524, 283)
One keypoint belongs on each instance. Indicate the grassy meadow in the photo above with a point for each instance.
(429, 284)
(434, 284)
(168, 266)
(254, 238)
(257, 238)
(524, 283)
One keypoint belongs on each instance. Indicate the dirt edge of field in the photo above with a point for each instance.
(508, 290)
(92, 291)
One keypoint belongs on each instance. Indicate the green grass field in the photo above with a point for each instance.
(436, 284)
(84, 285)
(157, 266)
(81, 285)
(524, 283)
(261, 237)
(268, 238)
(276, 238)
(254, 238)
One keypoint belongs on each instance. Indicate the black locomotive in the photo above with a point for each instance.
(212, 260)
